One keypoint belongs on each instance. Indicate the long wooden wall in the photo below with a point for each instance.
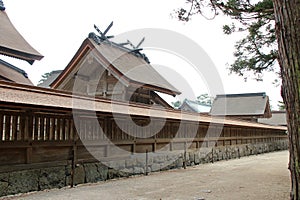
(32, 135)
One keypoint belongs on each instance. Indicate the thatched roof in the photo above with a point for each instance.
(120, 62)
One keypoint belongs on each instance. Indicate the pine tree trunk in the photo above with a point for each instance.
(287, 15)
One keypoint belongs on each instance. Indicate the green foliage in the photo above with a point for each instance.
(176, 104)
(205, 99)
(44, 77)
(281, 105)
(257, 51)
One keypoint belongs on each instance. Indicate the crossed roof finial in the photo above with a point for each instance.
(2, 5)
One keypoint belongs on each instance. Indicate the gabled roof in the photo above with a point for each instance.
(9, 72)
(242, 105)
(278, 119)
(194, 106)
(120, 62)
(11, 41)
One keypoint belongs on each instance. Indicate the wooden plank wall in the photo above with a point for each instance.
(39, 135)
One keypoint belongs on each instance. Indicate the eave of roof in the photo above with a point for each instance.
(12, 42)
(12, 73)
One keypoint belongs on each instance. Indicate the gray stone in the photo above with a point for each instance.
(103, 171)
(140, 161)
(179, 163)
(68, 169)
(79, 175)
(3, 188)
(129, 171)
(113, 173)
(130, 163)
(138, 170)
(4, 177)
(191, 157)
(159, 159)
(197, 159)
(23, 181)
(116, 164)
(155, 167)
(91, 173)
(53, 177)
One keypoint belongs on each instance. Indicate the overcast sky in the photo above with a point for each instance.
(57, 28)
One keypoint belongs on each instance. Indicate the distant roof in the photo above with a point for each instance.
(11, 41)
(9, 72)
(194, 106)
(278, 119)
(247, 105)
(52, 76)
(120, 62)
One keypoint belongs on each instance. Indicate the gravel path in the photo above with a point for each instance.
(259, 177)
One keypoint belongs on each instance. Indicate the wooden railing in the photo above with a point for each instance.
(35, 136)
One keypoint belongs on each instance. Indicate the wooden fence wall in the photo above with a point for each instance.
(46, 136)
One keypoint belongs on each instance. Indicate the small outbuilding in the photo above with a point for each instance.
(194, 106)
(247, 106)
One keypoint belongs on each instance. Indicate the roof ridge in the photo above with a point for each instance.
(135, 52)
(263, 94)
(21, 71)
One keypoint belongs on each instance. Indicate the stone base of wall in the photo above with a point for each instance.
(60, 176)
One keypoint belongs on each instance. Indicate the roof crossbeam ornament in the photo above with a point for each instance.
(136, 50)
(137, 46)
(103, 36)
(2, 7)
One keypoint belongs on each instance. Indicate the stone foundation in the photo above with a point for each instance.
(60, 176)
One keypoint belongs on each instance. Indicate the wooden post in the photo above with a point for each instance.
(134, 146)
(226, 152)
(212, 155)
(184, 156)
(73, 166)
(1, 127)
(154, 146)
(74, 156)
(146, 162)
(29, 154)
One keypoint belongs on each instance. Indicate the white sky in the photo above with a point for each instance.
(57, 28)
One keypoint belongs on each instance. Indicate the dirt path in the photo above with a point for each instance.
(259, 177)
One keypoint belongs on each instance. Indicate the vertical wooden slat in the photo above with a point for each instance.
(36, 128)
(42, 128)
(63, 129)
(67, 130)
(47, 131)
(29, 127)
(52, 129)
(58, 129)
(23, 134)
(72, 129)
(14, 127)
(7, 127)
(1, 126)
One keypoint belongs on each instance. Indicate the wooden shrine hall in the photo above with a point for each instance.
(87, 111)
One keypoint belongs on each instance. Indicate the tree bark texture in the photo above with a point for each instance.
(287, 15)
